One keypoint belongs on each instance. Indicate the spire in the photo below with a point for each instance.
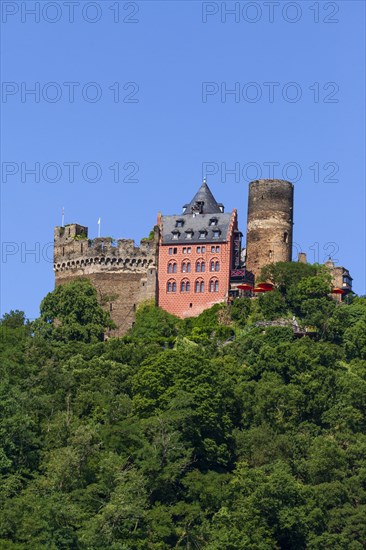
(203, 202)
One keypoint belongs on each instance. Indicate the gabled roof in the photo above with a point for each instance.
(196, 223)
(205, 200)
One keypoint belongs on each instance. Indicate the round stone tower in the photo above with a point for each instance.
(270, 221)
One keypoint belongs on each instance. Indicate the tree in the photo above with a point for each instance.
(71, 312)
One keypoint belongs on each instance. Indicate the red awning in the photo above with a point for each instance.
(265, 286)
(338, 291)
(245, 287)
(259, 289)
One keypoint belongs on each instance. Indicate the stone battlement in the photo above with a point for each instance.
(123, 274)
(73, 250)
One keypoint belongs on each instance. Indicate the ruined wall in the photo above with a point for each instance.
(123, 274)
(270, 223)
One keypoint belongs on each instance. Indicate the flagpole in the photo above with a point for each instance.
(99, 227)
(63, 217)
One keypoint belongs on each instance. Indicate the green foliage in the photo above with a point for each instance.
(284, 274)
(154, 324)
(273, 305)
(210, 432)
(71, 312)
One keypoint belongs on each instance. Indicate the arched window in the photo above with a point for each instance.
(214, 285)
(172, 267)
(185, 286)
(200, 265)
(171, 286)
(214, 265)
(186, 266)
(199, 286)
(285, 237)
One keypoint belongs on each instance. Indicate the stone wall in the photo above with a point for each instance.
(270, 223)
(123, 274)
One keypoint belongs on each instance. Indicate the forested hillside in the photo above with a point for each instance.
(216, 432)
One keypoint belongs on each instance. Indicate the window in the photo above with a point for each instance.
(171, 286)
(214, 265)
(198, 250)
(199, 286)
(185, 286)
(81, 248)
(217, 249)
(110, 307)
(176, 235)
(270, 254)
(170, 251)
(216, 233)
(213, 221)
(200, 266)
(179, 223)
(203, 249)
(189, 234)
(203, 234)
(172, 267)
(184, 250)
(285, 237)
(189, 250)
(186, 267)
(63, 251)
(214, 285)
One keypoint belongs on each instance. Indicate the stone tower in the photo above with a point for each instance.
(123, 274)
(270, 222)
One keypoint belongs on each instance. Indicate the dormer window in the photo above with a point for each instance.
(213, 221)
(203, 234)
(189, 234)
(175, 234)
(216, 233)
(179, 223)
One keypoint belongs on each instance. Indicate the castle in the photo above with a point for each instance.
(191, 260)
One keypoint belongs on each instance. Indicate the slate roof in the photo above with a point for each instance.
(204, 195)
(196, 222)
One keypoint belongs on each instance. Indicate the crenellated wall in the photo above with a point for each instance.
(123, 274)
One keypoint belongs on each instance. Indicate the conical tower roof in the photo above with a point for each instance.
(203, 202)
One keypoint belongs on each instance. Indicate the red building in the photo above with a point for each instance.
(199, 251)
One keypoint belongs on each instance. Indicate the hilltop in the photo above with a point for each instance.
(230, 430)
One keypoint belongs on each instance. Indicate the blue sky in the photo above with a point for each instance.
(297, 109)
